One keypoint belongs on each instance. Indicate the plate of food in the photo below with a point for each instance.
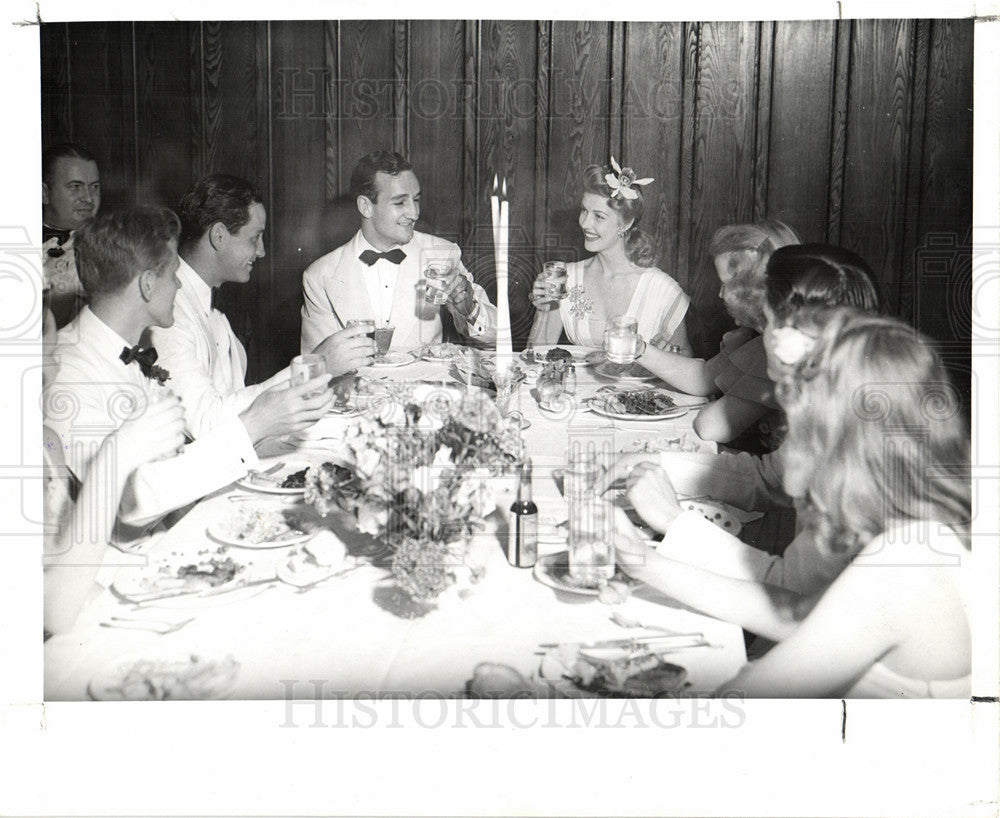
(391, 359)
(574, 671)
(289, 479)
(553, 570)
(184, 580)
(624, 372)
(259, 525)
(440, 352)
(637, 404)
(182, 678)
(538, 356)
(321, 558)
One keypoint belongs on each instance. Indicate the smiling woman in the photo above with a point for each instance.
(619, 279)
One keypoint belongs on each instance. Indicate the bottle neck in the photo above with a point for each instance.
(524, 484)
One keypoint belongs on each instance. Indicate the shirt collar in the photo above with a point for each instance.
(362, 244)
(194, 283)
(109, 343)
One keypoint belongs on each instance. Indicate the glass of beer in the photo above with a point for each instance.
(554, 275)
(621, 339)
(383, 340)
(305, 368)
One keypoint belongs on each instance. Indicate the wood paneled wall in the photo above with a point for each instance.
(853, 132)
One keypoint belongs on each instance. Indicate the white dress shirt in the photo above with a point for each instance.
(93, 394)
(339, 287)
(206, 360)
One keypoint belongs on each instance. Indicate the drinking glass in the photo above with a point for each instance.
(591, 535)
(383, 340)
(305, 368)
(367, 323)
(554, 275)
(621, 339)
(438, 276)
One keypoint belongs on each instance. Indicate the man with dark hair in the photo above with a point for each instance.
(71, 196)
(222, 227)
(380, 273)
(128, 262)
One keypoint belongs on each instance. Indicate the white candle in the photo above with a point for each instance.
(504, 345)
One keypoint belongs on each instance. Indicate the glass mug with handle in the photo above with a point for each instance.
(555, 276)
(621, 339)
(306, 367)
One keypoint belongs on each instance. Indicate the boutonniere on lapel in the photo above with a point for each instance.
(146, 358)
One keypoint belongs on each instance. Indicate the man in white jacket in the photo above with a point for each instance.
(222, 227)
(380, 274)
(128, 264)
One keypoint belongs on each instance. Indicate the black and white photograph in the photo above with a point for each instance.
(445, 387)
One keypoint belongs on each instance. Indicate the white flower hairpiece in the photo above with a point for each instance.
(791, 345)
(621, 185)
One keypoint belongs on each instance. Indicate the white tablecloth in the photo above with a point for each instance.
(340, 639)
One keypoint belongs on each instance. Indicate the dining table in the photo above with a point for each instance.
(354, 634)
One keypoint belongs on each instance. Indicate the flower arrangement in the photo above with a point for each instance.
(422, 491)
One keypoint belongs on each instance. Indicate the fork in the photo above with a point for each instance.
(265, 472)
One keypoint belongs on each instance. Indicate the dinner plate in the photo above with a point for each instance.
(391, 359)
(562, 667)
(625, 372)
(225, 531)
(596, 406)
(271, 483)
(445, 352)
(178, 678)
(553, 570)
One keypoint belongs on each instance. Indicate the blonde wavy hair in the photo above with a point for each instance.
(750, 247)
(875, 433)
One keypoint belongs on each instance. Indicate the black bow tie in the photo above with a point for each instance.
(61, 237)
(146, 359)
(369, 257)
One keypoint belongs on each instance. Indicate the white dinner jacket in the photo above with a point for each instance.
(94, 392)
(206, 360)
(334, 292)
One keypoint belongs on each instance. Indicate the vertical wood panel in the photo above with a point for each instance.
(434, 114)
(366, 87)
(302, 226)
(942, 258)
(653, 133)
(838, 130)
(101, 82)
(762, 126)
(543, 120)
(579, 104)
(724, 152)
(400, 77)
(877, 147)
(163, 112)
(57, 117)
(798, 174)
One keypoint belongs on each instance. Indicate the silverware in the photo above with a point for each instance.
(151, 625)
(253, 474)
(301, 589)
(673, 640)
(138, 601)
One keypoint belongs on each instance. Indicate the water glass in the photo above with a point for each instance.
(305, 368)
(438, 276)
(621, 339)
(554, 275)
(367, 323)
(591, 519)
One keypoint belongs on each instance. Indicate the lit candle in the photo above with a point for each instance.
(504, 347)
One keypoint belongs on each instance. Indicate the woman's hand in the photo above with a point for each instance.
(651, 494)
(620, 468)
(539, 292)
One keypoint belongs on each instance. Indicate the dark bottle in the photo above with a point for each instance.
(522, 532)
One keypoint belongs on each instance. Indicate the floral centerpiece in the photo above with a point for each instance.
(422, 491)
